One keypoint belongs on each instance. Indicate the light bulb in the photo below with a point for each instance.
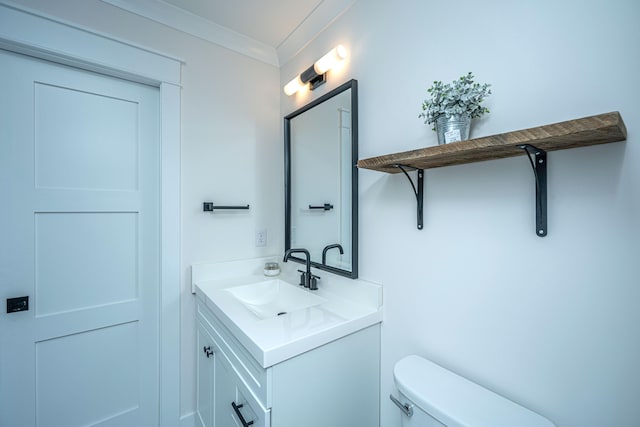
(328, 61)
(293, 86)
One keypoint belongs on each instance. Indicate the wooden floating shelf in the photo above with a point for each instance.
(593, 130)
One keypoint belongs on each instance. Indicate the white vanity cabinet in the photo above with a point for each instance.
(336, 384)
(223, 399)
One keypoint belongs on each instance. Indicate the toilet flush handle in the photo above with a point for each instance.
(407, 408)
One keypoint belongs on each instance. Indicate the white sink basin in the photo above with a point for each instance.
(274, 297)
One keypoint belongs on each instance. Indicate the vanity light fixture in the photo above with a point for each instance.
(316, 75)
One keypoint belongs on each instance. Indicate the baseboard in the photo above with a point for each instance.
(188, 420)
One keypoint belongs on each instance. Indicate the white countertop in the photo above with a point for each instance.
(351, 305)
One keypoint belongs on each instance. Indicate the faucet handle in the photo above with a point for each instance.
(313, 282)
(303, 278)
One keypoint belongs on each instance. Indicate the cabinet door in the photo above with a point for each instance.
(205, 378)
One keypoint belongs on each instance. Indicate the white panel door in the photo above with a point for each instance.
(79, 235)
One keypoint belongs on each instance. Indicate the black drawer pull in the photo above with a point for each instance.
(237, 409)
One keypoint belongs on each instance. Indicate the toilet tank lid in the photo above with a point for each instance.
(456, 401)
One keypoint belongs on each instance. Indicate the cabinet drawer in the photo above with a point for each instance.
(236, 405)
(254, 376)
(249, 409)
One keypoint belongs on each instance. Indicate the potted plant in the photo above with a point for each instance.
(451, 107)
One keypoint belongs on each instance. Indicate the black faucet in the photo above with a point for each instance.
(307, 279)
(326, 248)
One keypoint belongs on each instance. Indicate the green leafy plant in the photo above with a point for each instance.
(460, 97)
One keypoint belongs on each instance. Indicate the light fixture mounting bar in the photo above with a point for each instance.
(314, 79)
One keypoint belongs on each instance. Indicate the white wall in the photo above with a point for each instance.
(551, 323)
(231, 147)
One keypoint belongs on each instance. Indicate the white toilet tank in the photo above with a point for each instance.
(437, 397)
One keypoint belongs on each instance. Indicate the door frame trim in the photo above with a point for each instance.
(33, 34)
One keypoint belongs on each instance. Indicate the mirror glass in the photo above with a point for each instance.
(321, 180)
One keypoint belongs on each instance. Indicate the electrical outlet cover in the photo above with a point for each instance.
(261, 238)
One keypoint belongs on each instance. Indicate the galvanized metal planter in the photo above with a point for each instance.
(452, 129)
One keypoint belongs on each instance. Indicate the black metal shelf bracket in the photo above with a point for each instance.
(539, 166)
(419, 192)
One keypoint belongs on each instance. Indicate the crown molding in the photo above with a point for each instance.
(197, 26)
(327, 12)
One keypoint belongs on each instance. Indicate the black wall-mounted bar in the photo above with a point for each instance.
(210, 207)
(325, 207)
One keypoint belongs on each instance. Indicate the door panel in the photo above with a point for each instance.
(79, 176)
(92, 254)
(111, 367)
(68, 120)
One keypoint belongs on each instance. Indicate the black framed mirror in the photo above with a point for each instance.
(321, 180)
